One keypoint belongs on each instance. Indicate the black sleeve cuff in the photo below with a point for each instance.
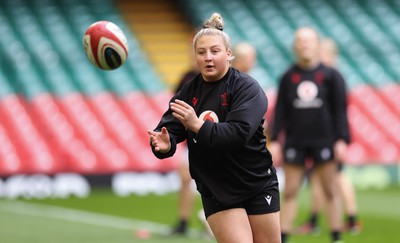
(204, 134)
(170, 153)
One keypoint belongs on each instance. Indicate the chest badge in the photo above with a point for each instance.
(307, 91)
(224, 99)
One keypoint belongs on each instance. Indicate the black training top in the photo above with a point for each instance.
(189, 75)
(228, 156)
(311, 107)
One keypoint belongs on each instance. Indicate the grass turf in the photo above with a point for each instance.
(378, 211)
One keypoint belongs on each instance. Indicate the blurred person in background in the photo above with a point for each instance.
(220, 113)
(311, 112)
(328, 54)
(186, 194)
(245, 57)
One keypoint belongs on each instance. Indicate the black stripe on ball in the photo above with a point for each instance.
(112, 57)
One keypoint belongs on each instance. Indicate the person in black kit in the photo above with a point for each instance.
(329, 56)
(221, 115)
(311, 110)
(185, 195)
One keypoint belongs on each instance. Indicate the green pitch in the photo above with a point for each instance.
(104, 217)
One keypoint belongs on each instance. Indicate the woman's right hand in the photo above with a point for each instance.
(160, 140)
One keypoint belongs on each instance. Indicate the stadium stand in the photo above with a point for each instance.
(60, 114)
(164, 33)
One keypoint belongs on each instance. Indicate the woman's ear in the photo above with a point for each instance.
(229, 54)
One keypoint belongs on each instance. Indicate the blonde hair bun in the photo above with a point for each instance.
(215, 21)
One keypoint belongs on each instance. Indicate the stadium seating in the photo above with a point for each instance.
(164, 35)
(61, 114)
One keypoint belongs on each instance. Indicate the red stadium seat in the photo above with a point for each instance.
(356, 154)
(378, 112)
(10, 159)
(390, 93)
(141, 110)
(38, 155)
(367, 134)
(68, 145)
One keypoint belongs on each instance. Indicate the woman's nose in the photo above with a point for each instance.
(208, 56)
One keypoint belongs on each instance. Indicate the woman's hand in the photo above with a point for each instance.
(340, 149)
(160, 140)
(186, 114)
(276, 152)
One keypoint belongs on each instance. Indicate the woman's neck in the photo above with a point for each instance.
(309, 64)
(216, 78)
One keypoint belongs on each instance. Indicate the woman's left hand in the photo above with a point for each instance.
(186, 114)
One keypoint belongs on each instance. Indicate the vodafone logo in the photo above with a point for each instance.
(209, 115)
(307, 91)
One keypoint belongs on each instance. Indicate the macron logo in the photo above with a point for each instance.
(268, 198)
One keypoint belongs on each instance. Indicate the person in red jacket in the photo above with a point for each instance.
(220, 113)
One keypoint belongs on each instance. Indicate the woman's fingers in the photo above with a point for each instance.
(179, 111)
(159, 139)
(179, 105)
(164, 130)
(178, 108)
(152, 137)
(182, 103)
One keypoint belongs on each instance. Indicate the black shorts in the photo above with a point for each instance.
(267, 201)
(298, 156)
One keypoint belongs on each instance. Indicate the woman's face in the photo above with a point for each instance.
(212, 57)
(306, 46)
(328, 53)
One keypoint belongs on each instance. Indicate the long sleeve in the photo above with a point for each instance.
(279, 114)
(339, 105)
(247, 110)
(176, 130)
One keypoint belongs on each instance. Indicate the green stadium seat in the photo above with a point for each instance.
(59, 25)
(5, 87)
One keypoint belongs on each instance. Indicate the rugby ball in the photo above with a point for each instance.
(105, 45)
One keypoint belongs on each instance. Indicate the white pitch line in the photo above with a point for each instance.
(80, 216)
